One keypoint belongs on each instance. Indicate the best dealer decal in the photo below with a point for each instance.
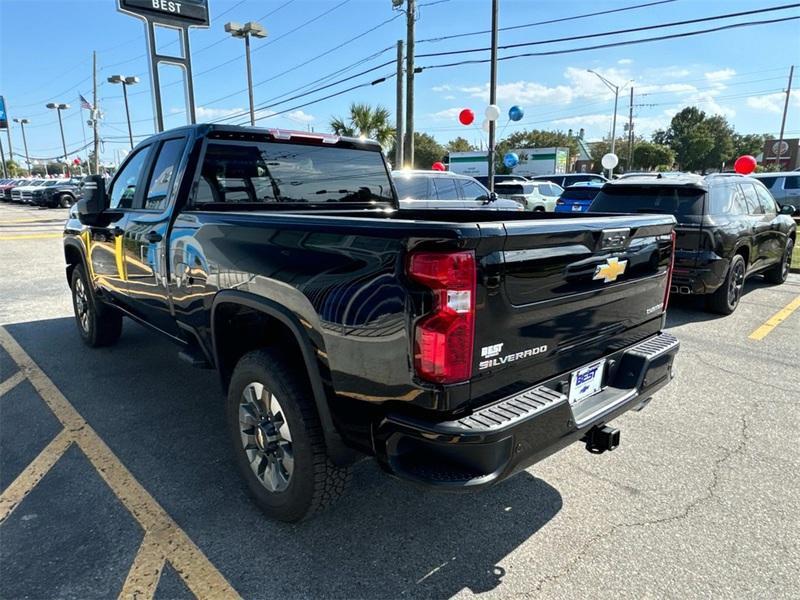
(502, 360)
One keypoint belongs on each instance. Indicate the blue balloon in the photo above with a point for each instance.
(510, 160)
(515, 113)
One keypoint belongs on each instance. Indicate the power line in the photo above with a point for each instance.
(615, 32)
(548, 22)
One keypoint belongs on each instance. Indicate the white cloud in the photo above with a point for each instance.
(526, 93)
(677, 88)
(203, 113)
(449, 114)
(588, 120)
(589, 85)
(773, 103)
(720, 75)
(300, 116)
(442, 88)
(625, 61)
(448, 97)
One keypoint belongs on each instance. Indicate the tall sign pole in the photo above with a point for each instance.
(493, 93)
(411, 10)
(398, 154)
(172, 15)
(95, 116)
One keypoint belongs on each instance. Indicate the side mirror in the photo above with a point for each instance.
(787, 209)
(492, 197)
(94, 199)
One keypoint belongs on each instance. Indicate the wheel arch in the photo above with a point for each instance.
(284, 325)
(74, 256)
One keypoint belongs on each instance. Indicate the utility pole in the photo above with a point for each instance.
(411, 10)
(493, 92)
(95, 115)
(630, 133)
(22, 123)
(783, 119)
(398, 144)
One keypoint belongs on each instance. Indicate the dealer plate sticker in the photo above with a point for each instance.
(586, 381)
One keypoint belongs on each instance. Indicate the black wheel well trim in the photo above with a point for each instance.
(337, 450)
(71, 245)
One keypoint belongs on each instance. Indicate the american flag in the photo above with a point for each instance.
(85, 103)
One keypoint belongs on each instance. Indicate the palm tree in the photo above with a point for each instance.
(365, 121)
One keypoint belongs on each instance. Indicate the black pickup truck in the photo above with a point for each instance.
(456, 347)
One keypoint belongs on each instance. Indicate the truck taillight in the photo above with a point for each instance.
(443, 338)
(670, 269)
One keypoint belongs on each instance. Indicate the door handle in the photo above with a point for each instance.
(154, 237)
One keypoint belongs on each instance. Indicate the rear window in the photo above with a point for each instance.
(509, 189)
(269, 172)
(768, 181)
(654, 200)
(580, 193)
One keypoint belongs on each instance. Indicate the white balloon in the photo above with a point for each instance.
(609, 161)
(485, 125)
(493, 112)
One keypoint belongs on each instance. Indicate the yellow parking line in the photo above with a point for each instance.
(143, 577)
(30, 236)
(775, 320)
(12, 382)
(197, 572)
(33, 473)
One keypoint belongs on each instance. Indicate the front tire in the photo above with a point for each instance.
(65, 201)
(98, 324)
(780, 272)
(277, 438)
(725, 300)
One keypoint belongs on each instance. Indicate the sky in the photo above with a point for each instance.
(740, 73)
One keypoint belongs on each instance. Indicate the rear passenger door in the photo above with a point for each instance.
(760, 226)
(776, 243)
(145, 238)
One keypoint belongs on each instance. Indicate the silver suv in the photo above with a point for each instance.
(784, 186)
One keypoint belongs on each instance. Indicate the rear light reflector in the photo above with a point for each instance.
(443, 339)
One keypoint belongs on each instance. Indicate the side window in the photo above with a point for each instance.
(123, 189)
(169, 155)
(472, 190)
(753, 205)
(792, 182)
(766, 200)
(738, 205)
(446, 188)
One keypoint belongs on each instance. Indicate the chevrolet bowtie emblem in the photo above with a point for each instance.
(611, 270)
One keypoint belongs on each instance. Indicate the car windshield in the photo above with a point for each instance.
(658, 199)
(269, 172)
(52, 183)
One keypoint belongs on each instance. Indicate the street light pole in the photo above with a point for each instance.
(251, 28)
(22, 123)
(614, 88)
(125, 81)
(58, 108)
(493, 93)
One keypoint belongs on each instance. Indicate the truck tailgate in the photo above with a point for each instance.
(563, 292)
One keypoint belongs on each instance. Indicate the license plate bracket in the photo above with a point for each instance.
(586, 381)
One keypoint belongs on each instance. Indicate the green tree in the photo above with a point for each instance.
(650, 156)
(460, 144)
(748, 143)
(699, 142)
(365, 120)
(426, 151)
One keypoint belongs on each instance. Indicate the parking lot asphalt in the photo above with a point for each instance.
(117, 480)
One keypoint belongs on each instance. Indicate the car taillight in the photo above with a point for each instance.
(670, 269)
(443, 338)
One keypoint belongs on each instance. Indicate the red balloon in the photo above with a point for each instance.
(745, 165)
(438, 166)
(466, 117)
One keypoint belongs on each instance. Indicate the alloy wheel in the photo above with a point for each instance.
(82, 306)
(266, 438)
(736, 284)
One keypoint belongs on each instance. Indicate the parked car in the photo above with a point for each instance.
(537, 196)
(57, 192)
(578, 197)
(7, 185)
(484, 181)
(456, 347)
(729, 228)
(784, 187)
(24, 192)
(648, 174)
(445, 190)
(567, 179)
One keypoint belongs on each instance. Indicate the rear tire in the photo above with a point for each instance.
(65, 201)
(725, 300)
(98, 324)
(780, 272)
(277, 438)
